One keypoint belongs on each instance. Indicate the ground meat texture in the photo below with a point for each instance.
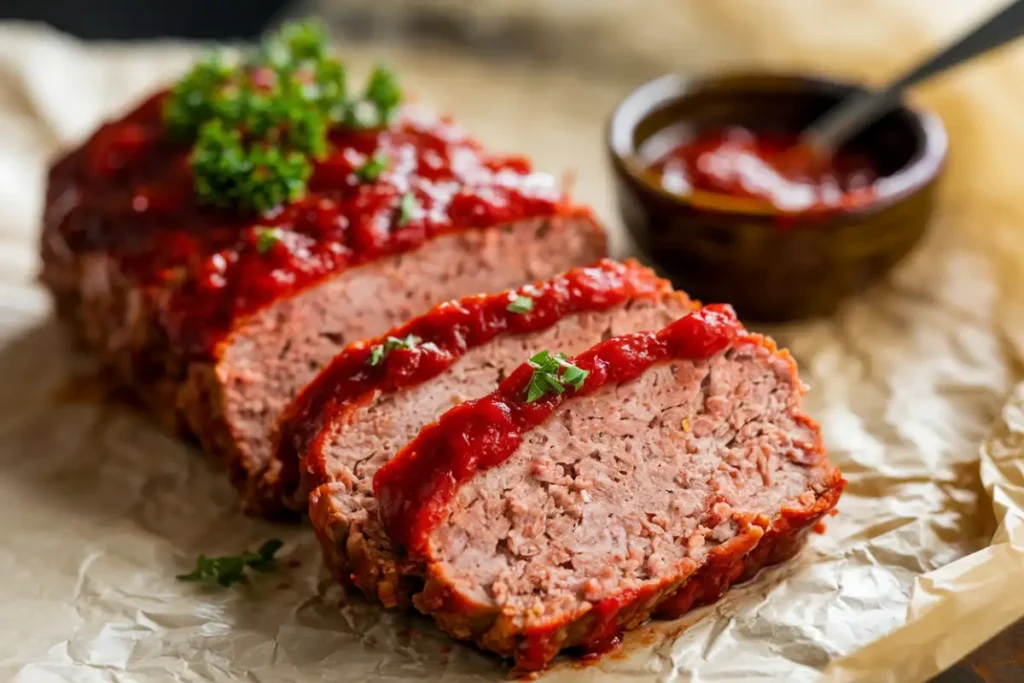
(217, 316)
(344, 461)
(233, 405)
(643, 497)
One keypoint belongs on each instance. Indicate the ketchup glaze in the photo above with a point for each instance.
(128, 192)
(769, 166)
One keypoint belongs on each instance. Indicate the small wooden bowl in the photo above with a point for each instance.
(772, 266)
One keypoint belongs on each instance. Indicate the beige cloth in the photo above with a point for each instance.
(100, 509)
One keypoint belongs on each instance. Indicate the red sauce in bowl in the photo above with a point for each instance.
(767, 166)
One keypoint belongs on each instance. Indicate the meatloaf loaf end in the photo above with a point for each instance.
(682, 464)
(353, 418)
(216, 318)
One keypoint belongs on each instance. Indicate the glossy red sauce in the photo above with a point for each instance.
(768, 166)
(447, 332)
(129, 191)
(414, 488)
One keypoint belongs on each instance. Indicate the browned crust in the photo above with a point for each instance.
(762, 543)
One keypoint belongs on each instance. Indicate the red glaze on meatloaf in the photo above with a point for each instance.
(218, 318)
(683, 464)
(355, 416)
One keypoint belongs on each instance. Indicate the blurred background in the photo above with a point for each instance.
(587, 31)
(132, 19)
(583, 56)
(607, 39)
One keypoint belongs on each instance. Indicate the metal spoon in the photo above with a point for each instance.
(852, 115)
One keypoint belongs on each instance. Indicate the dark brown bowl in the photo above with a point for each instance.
(771, 266)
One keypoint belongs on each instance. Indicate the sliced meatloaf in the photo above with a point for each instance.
(682, 463)
(217, 318)
(355, 416)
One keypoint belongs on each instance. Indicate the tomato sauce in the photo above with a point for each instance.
(414, 488)
(767, 166)
(129, 192)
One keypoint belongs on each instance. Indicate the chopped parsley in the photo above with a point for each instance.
(373, 167)
(383, 91)
(266, 238)
(228, 173)
(551, 374)
(258, 124)
(380, 351)
(407, 208)
(229, 570)
(521, 304)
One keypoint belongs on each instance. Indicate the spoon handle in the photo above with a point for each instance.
(830, 131)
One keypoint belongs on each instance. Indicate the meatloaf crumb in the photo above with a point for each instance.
(642, 497)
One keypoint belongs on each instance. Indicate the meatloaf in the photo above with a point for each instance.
(217, 318)
(678, 464)
(353, 417)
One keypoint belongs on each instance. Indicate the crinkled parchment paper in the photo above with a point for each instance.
(99, 509)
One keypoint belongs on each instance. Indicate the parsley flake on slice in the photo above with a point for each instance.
(373, 167)
(551, 374)
(230, 569)
(407, 208)
(520, 304)
(266, 238)
(380, 351)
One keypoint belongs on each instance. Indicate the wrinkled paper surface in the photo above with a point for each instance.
(99, 509)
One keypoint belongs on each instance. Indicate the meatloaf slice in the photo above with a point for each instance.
(681, 465)
(352, 418)
(218, 317)
(233, 405)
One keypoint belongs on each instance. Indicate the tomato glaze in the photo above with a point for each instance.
(769, 166)
(414, 488)
(128, 191)
(446, 332)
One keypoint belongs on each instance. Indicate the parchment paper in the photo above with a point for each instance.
(99, 509)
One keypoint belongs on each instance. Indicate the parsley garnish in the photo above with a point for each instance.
(407, 208)
(192, 100)
(521, 304)
(383, 91)
(378, 352)
(266, 238)
(373, 167)
(258, 124)
(226, 571)
(227, 173)
(546, 378)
